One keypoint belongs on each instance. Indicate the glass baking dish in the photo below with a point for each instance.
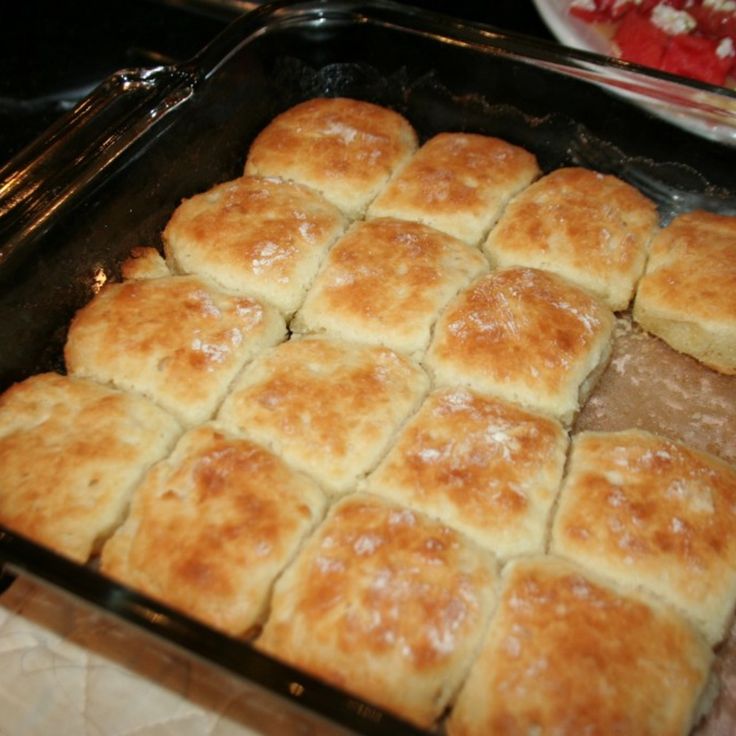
(107, 177)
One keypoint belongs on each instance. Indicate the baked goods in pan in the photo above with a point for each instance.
(385, 282)
(457, 183)
(212, 526)
(329, 407)
(259, 237)
(345, 149)
(566, 654)
(71, 453)
(527, 336)
(688, 294)
(425, 479)
(591, 228)
(651, 513)
(178, 340)
(144, 263)
(384, 603)
(481, 465)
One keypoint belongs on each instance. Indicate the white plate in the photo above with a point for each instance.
(574, 32)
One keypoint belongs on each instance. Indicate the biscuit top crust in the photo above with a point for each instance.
(386, 603)
(525, 334)
(328, 406)
(262, 237)
(71, 452)
(144, 263)
(458, 183)
(212, 526)
(177, 340)
(346, 149)
(692, 270)
(588, 227)
(567, 655)
(650, 512)
(385, 281)
(482, 465)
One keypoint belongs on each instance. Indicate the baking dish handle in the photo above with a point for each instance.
(39, 183)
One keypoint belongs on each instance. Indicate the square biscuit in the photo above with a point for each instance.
(327, 406)
(650, 513)
(212, 526)
(687, 296)
(566, 654)
(258, 237)
(385, 282)
(71, 453)
(590, 228)
(177, 340)
(479, 464)
(345, 149)
(527, 336)
(386, 604)
(458, 183)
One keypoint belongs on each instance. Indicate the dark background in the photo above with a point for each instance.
(54, 53)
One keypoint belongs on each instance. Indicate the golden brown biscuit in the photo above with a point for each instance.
(651, 513)
(527, 336)
(385, 603)
(385, 282)
(212, 526)
(71, 453)
(590, 228)
(327, 406)
(144, 263)
(177, 340)
(479, 464)
(345, 149)
(458, 183)
(567, 655)
(259, 237)
(688, 293)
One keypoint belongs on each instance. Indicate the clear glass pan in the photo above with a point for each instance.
(107, 177)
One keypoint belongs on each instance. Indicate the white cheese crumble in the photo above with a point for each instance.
(584, 4)
(725, 48)
(720, 6)
(671, 20)
(620, 3)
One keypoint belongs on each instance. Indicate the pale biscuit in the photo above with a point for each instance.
(527, 336)
(386, 604)
(327, 406)
(345, 149)
(385, 282)
(566, 654)
(258, 237)
(479, 464)
(212, 526)
(177, 340)
(71, 453)
(144, 263)
(590, 228)
(458, 183)
(651, 513)
(687, 296)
